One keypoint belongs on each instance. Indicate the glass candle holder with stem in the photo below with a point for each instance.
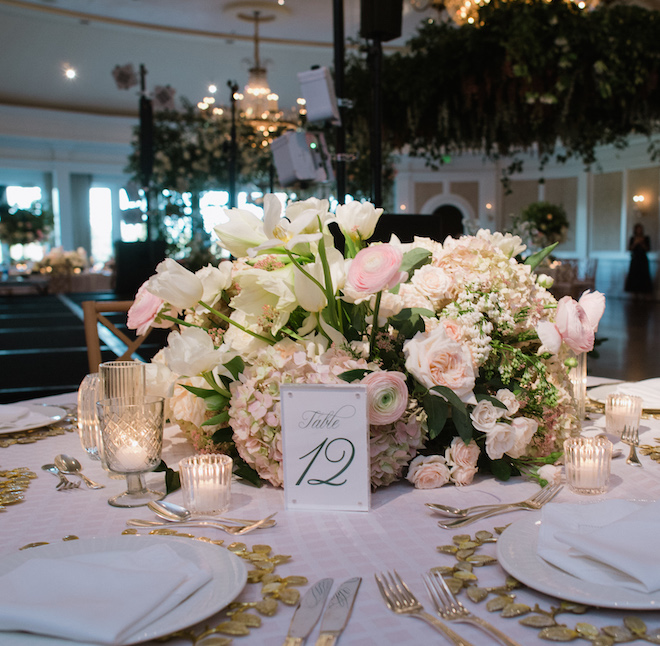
(132, 436)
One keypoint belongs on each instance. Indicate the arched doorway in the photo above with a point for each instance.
(449, 221)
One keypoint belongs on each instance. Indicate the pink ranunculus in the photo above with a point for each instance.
(388, 396)
(574, 326)
(428, 472)
(143, 312)
(593, 303)
(376, 268)
(436, 360)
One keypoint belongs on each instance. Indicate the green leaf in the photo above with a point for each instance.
(409, 321)
(235, 366)
(216, 402)
(414, 259)
(200, 392)
(221, 418)
(437, 411)
(243, 471)
(223, 435)
(493, 400)
(354, 375)
(537, 258)
(459, 412)
(172, 480)
(501, 469)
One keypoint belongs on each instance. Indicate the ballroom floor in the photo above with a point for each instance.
(43, 352)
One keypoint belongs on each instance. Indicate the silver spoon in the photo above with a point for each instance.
(176, 513)
(64, 482)
(71, 466)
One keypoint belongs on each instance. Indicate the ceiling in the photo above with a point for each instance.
(187, 44)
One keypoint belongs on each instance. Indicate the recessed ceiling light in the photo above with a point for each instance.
(70, 72)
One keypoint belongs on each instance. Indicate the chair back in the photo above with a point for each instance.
(117, 340)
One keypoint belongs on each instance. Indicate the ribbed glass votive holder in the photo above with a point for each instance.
(206, 483)
(587, 464)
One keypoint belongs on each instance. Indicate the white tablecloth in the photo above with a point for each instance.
(399, 532)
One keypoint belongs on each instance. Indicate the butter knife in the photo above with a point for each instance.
(308, 612)
(339, 612)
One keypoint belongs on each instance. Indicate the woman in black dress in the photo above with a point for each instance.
(638, 280)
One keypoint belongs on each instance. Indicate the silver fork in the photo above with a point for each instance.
(400, 600)
(451, 609)
(630, 436)
(535, 502)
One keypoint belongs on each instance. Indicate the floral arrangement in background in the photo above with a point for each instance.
(541, 224)
(24, 226)
(464, 351)
(58, 261)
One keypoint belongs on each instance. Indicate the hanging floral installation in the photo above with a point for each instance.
(530, 75)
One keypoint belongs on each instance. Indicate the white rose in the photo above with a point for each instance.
(485, 415)
(550, 473)
(191, 352)
(499, 440)
(435, 360)
(175, 285)
(509, 400)
(428, 472)
(524, 429)
(187, 407)
(433, 282)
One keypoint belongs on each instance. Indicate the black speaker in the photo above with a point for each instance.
(381, 19)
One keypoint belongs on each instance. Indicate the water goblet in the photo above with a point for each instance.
(88, 422)
(132, 437)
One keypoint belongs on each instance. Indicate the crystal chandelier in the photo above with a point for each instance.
(258, 102)
(466, 11)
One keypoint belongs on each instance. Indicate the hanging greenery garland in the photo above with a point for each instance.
(530, 76)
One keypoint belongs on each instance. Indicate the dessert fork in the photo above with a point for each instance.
(400, 600)
(535, 502)
(451, 609)
(630, 436)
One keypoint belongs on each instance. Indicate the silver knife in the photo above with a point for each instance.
(339, 611)
(308, 612)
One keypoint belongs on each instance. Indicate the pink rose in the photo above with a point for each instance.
(462, 455)
(428, 472)
(376, 268)
(388, 396)
(436, 360)
(574, 325)
(593, 303)
(462, 476)
(143, 312)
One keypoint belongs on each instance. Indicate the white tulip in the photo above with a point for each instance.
(358, 220)
(175, 285)
(191, 352)
(242, 231)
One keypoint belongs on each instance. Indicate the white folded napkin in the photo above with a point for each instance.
(103, 597)
(613, 542)
(648, 390)
(10, 413)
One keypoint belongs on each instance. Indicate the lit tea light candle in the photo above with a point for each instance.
(132, 456)
(205, 482)
(587, 462)
(622, 410)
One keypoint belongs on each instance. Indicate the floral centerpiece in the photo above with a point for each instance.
(463, 350)
(58, 261)
(23, 226)
(541, 224)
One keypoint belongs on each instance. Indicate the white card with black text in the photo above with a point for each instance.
(325, 446)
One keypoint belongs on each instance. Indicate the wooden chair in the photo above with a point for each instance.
(121, 344)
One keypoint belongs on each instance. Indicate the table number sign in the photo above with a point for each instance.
(325, 447)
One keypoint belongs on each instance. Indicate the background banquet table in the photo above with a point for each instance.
(399, 532)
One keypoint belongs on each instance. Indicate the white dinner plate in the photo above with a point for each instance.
(37, 416)
(229, 576)
(599, 394)
(516, 552)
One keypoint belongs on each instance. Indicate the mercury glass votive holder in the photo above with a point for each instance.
(206, 483)
(622, 410)
(587, 464)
